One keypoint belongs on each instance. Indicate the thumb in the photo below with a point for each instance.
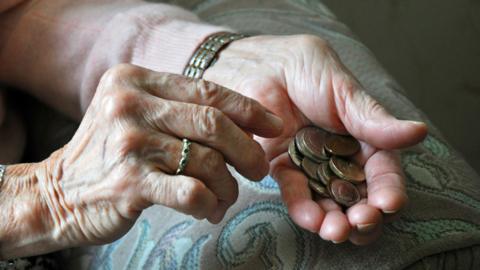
(370, 122)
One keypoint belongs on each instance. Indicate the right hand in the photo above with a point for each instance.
(127, 148)
(302, 80)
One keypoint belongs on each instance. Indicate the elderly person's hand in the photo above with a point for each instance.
(301, 79)
(124, 156)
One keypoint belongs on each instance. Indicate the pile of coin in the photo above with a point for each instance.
(324, 158)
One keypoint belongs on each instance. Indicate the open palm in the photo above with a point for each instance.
(301, 79)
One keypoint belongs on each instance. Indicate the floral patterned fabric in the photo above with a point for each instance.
(440, 228)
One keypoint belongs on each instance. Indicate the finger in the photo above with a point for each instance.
(296, 194)
(362, 189)
(274, 147)
(212, 128)
(370, 122)
(360, 239)
(335, 226)
(182, 193)
(209, 165)
(245, 112)
(388, 218)
(385, 182)
(366, 151)
(363, 217)
(204, 163)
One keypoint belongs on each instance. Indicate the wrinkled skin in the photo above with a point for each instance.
(123, 157)
(301, 79)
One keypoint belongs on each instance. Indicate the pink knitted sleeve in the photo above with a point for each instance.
(58, 49)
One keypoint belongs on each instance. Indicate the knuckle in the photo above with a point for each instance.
(121, 183)
(123, 190)
(213, 160)
(118, 186)
(129, 142)
(118, 74)
(251, 110)
(375, 108)
(190, 196)
(210, 122)
(311, 41)
(118, 104)
(347, 84)
(207, 91)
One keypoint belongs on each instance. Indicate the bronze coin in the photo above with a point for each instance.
(347, 170)
(318, 188)
(310, 168)
(344, 192)
(311, 143)
(294, 154)
(341, 145)
(325, 174)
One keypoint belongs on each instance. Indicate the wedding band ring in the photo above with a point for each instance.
(185, 156)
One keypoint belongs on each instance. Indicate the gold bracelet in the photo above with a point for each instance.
(2, 174)
(206, 54)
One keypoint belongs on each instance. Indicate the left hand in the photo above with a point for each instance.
(302, 80)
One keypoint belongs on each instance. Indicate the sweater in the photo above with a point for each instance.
(57, 50)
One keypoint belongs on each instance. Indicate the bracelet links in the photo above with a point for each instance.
(206, 54)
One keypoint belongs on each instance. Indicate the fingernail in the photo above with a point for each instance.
(366, 228)
(389, 211)
(336, 242)
(417, 123)
(275, 120)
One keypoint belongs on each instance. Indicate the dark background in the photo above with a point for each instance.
(432, 48)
